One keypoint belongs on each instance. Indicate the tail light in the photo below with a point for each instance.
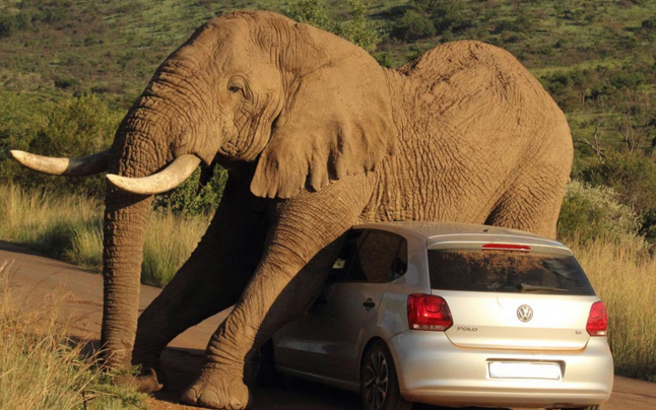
(597, 320)
(428, 312)
(506, 247)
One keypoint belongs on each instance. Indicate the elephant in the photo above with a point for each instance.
(316, 137)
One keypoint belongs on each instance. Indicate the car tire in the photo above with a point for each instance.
(379, 385)
(597, 407)
(264, 373)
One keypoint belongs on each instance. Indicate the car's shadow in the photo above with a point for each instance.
(285, 393)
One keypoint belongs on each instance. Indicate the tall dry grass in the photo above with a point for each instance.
(46, 222)
(624, 276)
(70, 228)
(42, 368)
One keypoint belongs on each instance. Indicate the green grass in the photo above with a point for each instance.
(41, 367)
(70, 228)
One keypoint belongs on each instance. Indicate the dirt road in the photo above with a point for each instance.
(35, 277)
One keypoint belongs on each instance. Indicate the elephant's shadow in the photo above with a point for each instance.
(289, 393)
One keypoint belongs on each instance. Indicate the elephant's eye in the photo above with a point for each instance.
(239, 85)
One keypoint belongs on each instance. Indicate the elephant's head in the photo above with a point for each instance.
(304, 106)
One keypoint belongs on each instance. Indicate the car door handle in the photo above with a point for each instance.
(369, 304)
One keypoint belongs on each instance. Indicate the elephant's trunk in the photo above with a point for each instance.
(138, 151)
(126, 218)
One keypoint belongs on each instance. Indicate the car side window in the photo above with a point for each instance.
(371, 256)
(347, 255)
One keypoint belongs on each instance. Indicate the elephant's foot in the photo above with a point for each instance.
(218, 389)
(148, 381)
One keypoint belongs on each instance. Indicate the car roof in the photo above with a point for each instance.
(444, 234)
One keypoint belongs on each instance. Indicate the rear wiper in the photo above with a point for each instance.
(525, 287)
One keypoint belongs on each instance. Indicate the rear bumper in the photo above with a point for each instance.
(432, 370)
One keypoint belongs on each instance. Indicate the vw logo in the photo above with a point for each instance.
(525, 313)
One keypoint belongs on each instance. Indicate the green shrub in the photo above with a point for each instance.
(314, 12)
(9, 24)
(591, 213)
(631, 175)
(192, 197)
(413, 26)
(355, 27)
(649, 25)
(358, 29)
(68, 126)
(447, 15)
(65, 83)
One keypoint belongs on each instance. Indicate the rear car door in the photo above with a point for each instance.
(325, 341)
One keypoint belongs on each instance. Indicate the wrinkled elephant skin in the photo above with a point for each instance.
(316, 137)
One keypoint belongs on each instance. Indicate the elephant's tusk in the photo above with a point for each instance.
(80, 166)
(170, 177)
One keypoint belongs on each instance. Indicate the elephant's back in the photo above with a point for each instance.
(474, 94)
(479, 63)
(465, 78)
(473, 121)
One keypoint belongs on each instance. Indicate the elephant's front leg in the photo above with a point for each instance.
(300, 247)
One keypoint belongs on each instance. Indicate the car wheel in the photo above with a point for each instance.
(598, 407)
(379, 386)
(264, 371)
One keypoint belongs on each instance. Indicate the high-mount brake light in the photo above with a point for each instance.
(428, 312)
(506, 247)
(597, 320)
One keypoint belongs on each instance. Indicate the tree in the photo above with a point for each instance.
(314, 12)
(360, 30)
(356, 28)
(413, 25)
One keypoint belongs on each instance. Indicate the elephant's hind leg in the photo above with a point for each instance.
(210, 281)
(532, 204)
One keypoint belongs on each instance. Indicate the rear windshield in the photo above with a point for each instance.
(507, 271)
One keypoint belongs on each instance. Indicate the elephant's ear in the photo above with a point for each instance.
(337, 122)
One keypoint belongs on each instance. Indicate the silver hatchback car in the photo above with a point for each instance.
(455, 315)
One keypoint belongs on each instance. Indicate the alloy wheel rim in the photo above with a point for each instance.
(376, 380)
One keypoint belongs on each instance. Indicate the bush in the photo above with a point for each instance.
(649, 25)
(631, 175)
(591, 213)
(194, 197)
(70, 126)
(9, 24)
(314, 12)
(447, 15)
(356, 27)
(413, 26)
(359, 30)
